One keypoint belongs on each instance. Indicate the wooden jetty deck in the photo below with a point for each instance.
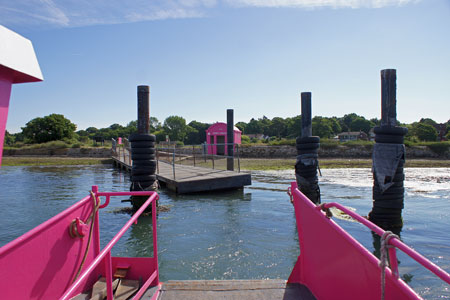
(190, 179)
(231, 290)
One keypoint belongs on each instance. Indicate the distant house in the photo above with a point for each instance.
(352, 136)
(442, 130)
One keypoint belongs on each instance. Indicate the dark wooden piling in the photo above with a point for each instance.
(388, 159)
(230, 140)
(143, 176)
(306, 114)
(389, 97)
(143, 103)
(307, 154)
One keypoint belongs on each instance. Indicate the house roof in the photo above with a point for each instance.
(351, 133)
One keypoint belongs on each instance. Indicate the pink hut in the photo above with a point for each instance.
(216, 138)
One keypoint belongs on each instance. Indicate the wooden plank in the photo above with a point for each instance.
(234, 289)
(99, 288)
(190, 179)
(126, 289)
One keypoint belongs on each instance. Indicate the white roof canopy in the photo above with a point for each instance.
(17, 54)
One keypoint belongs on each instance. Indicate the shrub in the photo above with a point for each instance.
(328, 144)
(440, 148)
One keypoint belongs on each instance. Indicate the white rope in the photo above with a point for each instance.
(387, 235)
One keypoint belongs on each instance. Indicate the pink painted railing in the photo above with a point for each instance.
(42, 263)
(333, 265)
(105, 254)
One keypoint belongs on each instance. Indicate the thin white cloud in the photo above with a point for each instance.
(319, 3)
(74, 13)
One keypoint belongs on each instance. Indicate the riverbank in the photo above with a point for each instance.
(251, 164)
(334, 163)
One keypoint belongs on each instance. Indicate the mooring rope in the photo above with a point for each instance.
(91, 218)
(387, 235)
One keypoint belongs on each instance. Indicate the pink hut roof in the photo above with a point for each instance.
(220, 127)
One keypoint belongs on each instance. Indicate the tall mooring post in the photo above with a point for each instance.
(307, 154)
(143, 109)
(230, 140)
(143, 176)
(388, 159)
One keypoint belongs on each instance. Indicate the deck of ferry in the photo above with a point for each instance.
(231, 290)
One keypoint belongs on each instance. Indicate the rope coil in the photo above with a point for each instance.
(384, 262)
(91, 218)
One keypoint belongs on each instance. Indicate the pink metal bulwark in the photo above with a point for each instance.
(42, 263)
(333, 265)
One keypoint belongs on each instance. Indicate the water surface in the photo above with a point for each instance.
(241, 234)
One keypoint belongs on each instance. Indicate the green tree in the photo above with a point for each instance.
(176, 128)
(241, 126)
(347, 120)
(425, 132)
(155, 125)
(294, 127)
(253, 127)
(322, 127)
(277, 127)
(197, 134)
(361, 124)
(428, 121)
(9, 139)
(335, 125)
(49, 128)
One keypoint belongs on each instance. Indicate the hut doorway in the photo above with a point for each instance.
(220, 141)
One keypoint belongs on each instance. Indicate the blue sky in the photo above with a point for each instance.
(202, 57)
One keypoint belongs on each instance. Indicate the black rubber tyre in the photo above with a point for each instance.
(399, 177)
(142, 137)
(307, 140)
(141, 186)
(142, 144)
(390, 130)
(399, 171)
(307, 168)
(143, 150)
(308, 174)
(308, 146)
(383, 197)
(310, 155)
(397, 204)
(389, 139)
(142, 156)
(144, 163)
(389, 191)
(387, 211)
(150, 170)
(398, 184)
(307, 151)
(142, 178)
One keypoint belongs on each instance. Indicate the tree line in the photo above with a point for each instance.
(57, 127)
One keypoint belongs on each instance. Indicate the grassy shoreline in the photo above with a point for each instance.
(246, 163)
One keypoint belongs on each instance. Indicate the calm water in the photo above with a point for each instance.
(233, 235)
